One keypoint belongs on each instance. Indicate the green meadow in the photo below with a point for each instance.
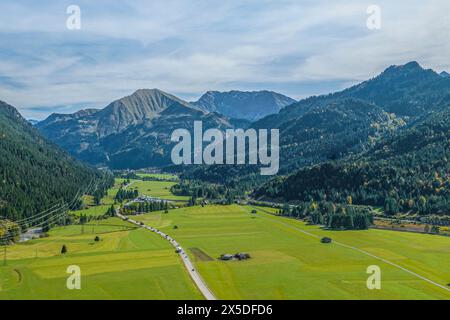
(127, 263)
(159, 189)
(287, 263)
(91, 209)
(162, 176)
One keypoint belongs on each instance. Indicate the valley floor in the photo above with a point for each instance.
(288, 260)
(126, 263)
(289, 264)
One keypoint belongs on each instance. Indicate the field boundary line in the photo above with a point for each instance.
(361, 251)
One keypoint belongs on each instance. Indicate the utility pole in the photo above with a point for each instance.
(4, 255)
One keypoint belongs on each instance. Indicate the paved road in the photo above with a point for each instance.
(198, 280)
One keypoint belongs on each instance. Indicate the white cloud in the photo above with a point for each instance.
(188, 47)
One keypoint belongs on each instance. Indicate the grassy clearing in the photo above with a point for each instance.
(161, 176)
(126, 263)
(289, 264)
(98, 210)
(92, 211)
(109, 198)
(159, 189)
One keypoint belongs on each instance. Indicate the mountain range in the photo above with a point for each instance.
(131, 132)
(385, 138)
(134, 131)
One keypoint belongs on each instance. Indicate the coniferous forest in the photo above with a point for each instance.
(36, 174)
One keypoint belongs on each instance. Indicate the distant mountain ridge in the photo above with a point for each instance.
(131, 132)
(344, 124)
(134, 131)
(250, 106)
(407, 90)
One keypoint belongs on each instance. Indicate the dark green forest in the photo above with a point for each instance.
(35, 174)
(408, 172)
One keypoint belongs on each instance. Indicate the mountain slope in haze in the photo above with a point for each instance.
(243, 105)
(132, 132)
(341, 128)
(336, 130)
(408, 172)
(148, 143)
(408, 91)
(335, 126)
(143, 104)
(34, 173)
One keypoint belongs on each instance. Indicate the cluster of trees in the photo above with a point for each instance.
(436, 220)
(123, 194)
(127, 175)
(9, 231)
(433, 229)
(331, 215)
(84, 218)
(199, 189)
(145, 207)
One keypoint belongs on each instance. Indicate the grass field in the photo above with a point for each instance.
(159, 189)
(92, 211)
(98, 210)
(127, 263)
(157, 176)
(288, 261)
(109, 198)
(289, 264)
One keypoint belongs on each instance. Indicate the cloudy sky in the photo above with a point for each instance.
(296, 47)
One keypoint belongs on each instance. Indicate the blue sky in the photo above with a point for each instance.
(298, 48)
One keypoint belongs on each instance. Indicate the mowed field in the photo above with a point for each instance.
(288, 261)
(158, 189)
(127, 263)
(161, 176)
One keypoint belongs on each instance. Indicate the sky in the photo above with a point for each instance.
(296, 47)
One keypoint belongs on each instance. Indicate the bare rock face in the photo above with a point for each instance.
(243, 105)
(131, 132)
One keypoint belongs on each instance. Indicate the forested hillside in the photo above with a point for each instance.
(409, 172)
(342, 125)
(35, 173)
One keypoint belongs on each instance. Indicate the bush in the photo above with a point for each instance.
(326, 240)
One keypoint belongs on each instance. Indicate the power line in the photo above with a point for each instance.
(64, 207)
